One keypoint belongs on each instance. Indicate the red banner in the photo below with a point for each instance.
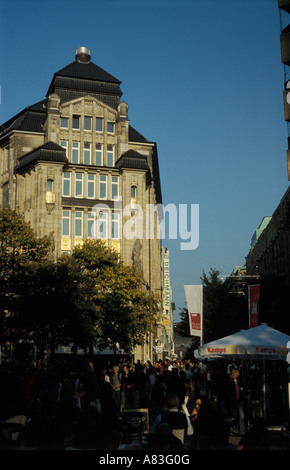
(194, 299)
(254, 305)
(195, 319)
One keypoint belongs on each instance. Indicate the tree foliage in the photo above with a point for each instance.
(17, 239)
(53, 306)
(124, 309)
(223, 310)
(19, 247)
(81, 300)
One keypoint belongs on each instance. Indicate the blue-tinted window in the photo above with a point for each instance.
(64, 122)
(76, 122)
(99, 124)
(99, 154)
(87, 123)
(111, 127)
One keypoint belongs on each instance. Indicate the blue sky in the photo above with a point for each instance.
(203, 79)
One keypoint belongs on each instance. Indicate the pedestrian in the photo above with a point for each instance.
(234, 406)
(173, 416)
(127, 387)
(116, 388)
(208, 375)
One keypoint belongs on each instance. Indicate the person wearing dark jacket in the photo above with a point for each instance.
(234, 408)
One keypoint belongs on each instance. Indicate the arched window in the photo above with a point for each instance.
(49, 186)
(50, 196)
(133, 192)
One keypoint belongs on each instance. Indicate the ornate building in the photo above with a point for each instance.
(76, 168)
(270, 255)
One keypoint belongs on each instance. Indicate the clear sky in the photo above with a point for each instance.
(203, 79)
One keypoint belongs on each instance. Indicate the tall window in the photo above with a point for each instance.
(64, 144)
(115, 225)
(91, 186)
(103, 187)
(66, 186)
(110, 155)
(64, 122)
(66, 223)
(133, 192)
(78, 224)
(87, 153)
(110, 127)
(115, 187)
(79, 185)
(76, 122)
(99, 124)
(99, 154)
(90, 226)
(49, 186)
(103, 225)
(87, 123)
(75, 152)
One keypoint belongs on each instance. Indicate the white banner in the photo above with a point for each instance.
(194, 299)
(166, 316)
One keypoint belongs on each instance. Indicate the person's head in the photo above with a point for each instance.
(172, 402)
(235, 372)
(164, 432)
(198, 404)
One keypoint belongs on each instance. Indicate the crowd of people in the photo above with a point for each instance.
(187, 404)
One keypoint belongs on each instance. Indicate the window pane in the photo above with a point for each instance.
(115, 225)
(99, 124)
(99, 155)
(76, 122)
(66, 184)
(103, 187)
(66, 223)
(79, 185)
(64, 144)
(78, 224)
(133, 191)
(75, 152)
(115, 187)
(91, 186)
(110, 127)
(103, 225)
(91, 219)
(64, 122)
(49, 184)
(87, 123)
(110, 155)
(87, 154)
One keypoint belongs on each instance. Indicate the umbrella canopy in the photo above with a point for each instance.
(261, 341)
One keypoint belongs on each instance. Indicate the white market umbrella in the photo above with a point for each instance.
(260, 342)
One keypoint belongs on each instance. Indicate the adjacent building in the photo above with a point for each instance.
(270, 255)
(76, 168)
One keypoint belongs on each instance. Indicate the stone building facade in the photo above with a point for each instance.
(76, 168)
(270, 256)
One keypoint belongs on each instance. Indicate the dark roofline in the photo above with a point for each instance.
(83, 71)
(48, 152)
(38, 108)
(132, 160)
(135, 136)
(103, 75)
